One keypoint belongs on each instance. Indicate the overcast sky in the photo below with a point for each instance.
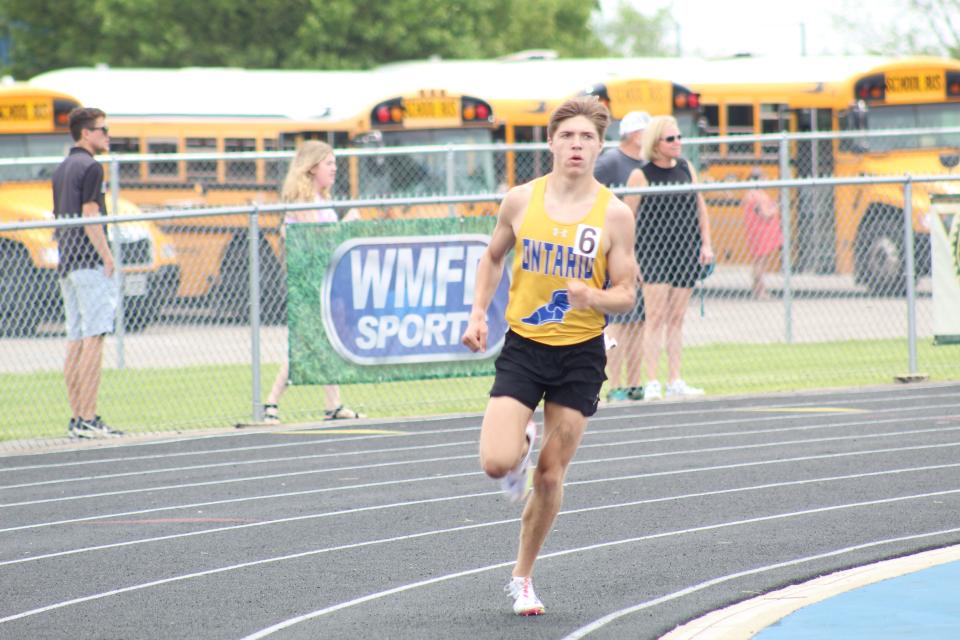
(767, 27)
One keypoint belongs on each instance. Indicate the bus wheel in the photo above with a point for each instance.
(19, 292)
(231, 294)
(231, 298)
(881, 261)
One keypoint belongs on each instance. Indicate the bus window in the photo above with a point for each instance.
(275, 170)
(711, 119)
(774, 118)
(128, 170)
(162, 169)
(241, 170)
(915, 116)
(31, 145)
(201, 170)
(739, 123)
(426, 174)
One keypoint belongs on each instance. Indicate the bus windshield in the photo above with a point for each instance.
(426, 174)
(31, 146)
(925, 116)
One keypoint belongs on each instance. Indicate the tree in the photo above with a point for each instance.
(287, 34)
(631, 33)
(921, 27)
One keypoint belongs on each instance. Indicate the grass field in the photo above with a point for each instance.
(167, 400)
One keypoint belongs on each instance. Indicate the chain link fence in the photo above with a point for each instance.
(801, 296)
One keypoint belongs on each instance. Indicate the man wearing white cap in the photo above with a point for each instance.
(613, 168)
(615, 165)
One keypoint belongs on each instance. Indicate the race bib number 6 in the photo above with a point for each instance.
(587, 241)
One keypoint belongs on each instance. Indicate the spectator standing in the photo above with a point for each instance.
(613, 169)
(85, 270)
(761, 219)
(309, 179)
(673, 242)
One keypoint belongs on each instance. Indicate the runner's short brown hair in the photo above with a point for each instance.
(589, 107)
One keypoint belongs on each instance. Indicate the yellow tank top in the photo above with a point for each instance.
(546, 255)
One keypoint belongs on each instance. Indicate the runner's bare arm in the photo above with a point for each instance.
(490, 267)
(621, 295)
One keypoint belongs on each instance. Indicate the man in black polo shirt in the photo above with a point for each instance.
(86, 270)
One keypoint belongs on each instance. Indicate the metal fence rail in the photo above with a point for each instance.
(179, 362)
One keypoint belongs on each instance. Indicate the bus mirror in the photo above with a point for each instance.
(858, 113)
(949, 160)
(372, 139)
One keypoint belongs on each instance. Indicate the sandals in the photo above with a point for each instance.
(342, 413)
(271, 413)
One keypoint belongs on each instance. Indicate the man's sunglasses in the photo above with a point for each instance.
(667, 139)
(106, 130)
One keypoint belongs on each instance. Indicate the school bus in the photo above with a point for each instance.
(35, 123)
(195, 111)
(846, 230)
(526, 87)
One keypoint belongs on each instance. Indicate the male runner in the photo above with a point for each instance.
(571, 237)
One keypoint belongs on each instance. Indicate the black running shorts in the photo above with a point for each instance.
(570, 375)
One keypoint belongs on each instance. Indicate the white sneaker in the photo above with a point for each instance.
(651, 391)
(609, 342)
(525, 601)
(516, 484)
(679, 389)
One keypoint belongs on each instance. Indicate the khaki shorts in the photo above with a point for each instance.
(89, 303)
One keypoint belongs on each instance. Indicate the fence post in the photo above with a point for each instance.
(116, 247)
(254, 262)
(910, 274)
(786, 253)
(451, 182)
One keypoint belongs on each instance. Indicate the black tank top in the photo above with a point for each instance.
(669, 218)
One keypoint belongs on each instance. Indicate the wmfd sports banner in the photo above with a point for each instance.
(387, 300)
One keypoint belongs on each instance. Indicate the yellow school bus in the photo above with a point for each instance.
(35, 123)
(196, 111)
(525, 88)
(854, 230)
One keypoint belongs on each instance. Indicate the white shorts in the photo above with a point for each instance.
(89, 303)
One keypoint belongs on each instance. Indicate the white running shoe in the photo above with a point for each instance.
(651, 391)
(516, 484)
(525, 601)
(680, 389)
(609, 342)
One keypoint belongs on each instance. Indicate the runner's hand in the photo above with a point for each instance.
(475, 337)
(579, 294)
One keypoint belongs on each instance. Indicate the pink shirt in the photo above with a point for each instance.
(324, 214)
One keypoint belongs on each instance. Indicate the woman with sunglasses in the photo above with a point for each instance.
(673, 242)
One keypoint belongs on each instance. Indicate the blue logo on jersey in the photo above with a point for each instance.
(553, 311)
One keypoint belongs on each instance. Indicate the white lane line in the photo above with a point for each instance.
(471, 456)
(724, 434)
(568, 483)
(603, 545)
(899, 399)
(586, 630)
(403, 538)
(238, 463)
(484, 494)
